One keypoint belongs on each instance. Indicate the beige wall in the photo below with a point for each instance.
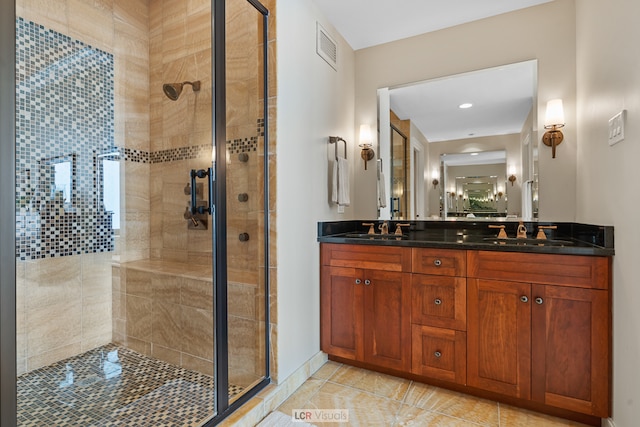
(314, 101)
(545, 33)
(608, 80)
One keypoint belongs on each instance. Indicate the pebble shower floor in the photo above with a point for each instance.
(146, 392)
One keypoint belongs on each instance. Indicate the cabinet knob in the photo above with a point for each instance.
(539, 301)
(437, 301)
(358, 281)
(367, 282)
(437, 263)
(437, 354)
(524, 298)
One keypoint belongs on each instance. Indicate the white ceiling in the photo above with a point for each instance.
(365, 23)
(501, 99)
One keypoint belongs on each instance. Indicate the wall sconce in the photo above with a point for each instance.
(512, 175)
(366, 142)
(435, 176)
(554, 120)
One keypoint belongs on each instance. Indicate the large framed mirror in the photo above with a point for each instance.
(474, 134)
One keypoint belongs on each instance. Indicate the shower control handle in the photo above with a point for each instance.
(243, 237)
(243, 197)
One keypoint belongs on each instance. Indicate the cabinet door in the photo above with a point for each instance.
(570, 358)
(341, 314)
(439, 301)
(499, 337)
(387, 322)
(439, 353)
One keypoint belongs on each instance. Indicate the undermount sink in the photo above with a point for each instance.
(375, 236)
(536, 242)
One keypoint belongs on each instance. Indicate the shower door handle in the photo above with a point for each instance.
(201, 173)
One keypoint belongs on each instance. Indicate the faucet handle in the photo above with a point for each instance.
(522, 231)
(399, 229)
(370, 225)
(541, 229)
(502, 234)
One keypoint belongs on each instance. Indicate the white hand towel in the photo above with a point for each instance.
(334, 182)
(343, 182)
(527, 201)
(382, 191)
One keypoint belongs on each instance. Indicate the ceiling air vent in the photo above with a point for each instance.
(326, 47)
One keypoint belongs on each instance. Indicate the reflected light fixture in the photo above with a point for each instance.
(435, 175)
(366, 142)
(465, 105)
(512, 175)
(554, 120)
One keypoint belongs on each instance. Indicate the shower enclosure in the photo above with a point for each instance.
(134, 251)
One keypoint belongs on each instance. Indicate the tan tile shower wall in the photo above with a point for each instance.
(180, 50)
(64, 304)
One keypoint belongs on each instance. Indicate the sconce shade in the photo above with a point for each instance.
(554, 115)
(365, 136)
(554, 120)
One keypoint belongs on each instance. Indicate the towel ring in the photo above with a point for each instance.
(335, 140)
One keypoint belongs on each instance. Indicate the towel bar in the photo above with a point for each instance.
(335, 140)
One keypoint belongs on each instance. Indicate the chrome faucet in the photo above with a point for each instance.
(384, 227)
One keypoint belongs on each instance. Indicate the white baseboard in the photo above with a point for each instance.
(608, 422)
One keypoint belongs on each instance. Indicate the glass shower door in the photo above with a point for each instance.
(247, 193)
(114, 278)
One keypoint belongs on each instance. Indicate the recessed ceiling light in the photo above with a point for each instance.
(473, 154)
(465, 105)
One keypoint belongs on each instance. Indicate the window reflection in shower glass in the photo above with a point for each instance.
(62, 181)
(111, 190)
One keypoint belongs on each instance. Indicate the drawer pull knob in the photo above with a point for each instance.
(437, 263)
(437, 354)
(358, 281)
(539, 301)
(524, 298)
(438, 301)
(367, 282)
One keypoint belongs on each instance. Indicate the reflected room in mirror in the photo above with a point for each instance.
(462, 145)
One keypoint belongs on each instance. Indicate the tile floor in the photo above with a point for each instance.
(143, 392)
(374, 399)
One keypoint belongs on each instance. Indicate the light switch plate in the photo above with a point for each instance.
(616, 127)
(341, 209)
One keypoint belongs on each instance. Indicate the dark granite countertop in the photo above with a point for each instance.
(568, 238)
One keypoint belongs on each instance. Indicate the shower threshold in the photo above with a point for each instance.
(115, 386)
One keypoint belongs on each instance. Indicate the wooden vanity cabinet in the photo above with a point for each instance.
(532, 327)
(548, 342)
(364, 315)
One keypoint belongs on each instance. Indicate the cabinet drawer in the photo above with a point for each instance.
(389, 258)
(439, 301)
(441, 262)
(548, 269)
(439, 353)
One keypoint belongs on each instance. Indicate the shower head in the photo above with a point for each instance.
(173, 90)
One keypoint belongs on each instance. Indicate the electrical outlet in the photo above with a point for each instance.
(616, 127)
(341, 209)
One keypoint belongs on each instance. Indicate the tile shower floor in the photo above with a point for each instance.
(147, 392)
(374, 399)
